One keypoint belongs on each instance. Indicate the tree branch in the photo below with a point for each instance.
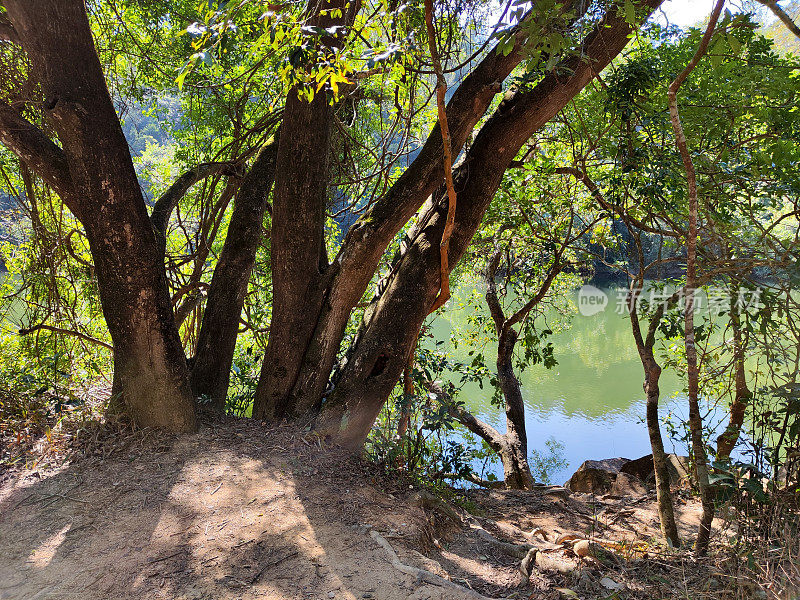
(162, 209)
(781, 14)
(539, 296)
(191, 301)
(591, 186)
(38, 151)
(495, 308)
(493, 437)
(78, 334)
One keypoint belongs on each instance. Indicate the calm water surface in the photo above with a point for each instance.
(592, 402)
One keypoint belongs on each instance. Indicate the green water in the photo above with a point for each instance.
(592, 402)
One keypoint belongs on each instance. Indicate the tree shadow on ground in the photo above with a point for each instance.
(234, 511)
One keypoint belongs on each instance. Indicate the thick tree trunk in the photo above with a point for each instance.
(220, 327)
(376, 361)
(298, 259)
(741, 393)
(150, 373)
(308, 366)
(300, 270)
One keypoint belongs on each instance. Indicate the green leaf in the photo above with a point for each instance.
(630, 12)
(734, 43)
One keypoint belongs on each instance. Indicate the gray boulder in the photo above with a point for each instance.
(596, 476)
(628, 485)
(678, 466)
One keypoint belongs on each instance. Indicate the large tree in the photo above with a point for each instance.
(376, 359)
(93, 173)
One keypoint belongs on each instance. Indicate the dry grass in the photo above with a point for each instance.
(762, 556)
(33, 433)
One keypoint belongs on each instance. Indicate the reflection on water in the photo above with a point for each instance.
(592, 401)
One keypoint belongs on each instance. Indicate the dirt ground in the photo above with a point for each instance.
(240, 511)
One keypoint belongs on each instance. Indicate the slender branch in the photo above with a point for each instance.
(421, 574)
(591, 186)
(539, 296)
(162, 209)
(781, 14)
(189, 303)
(78, 334)
(695, 420)
(441, 105)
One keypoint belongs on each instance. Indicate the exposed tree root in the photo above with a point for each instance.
(515, 550)
(421, 574)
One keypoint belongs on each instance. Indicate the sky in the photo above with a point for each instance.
(692, 12)
(686, 12)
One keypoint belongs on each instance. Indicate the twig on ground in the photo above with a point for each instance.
(162, 558)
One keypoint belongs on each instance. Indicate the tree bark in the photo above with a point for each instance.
(447, 159)
(377, 358)
(692, 369)
(39, 153)
(652, 374)
(408, 396)
(300, 270)
(150, 375)
(220, 327)
(516, 470)
(298, 261)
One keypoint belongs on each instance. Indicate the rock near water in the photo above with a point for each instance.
(596, 476)
(625, 477)
(678, 467)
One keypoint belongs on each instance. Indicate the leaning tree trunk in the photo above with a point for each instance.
(652, 375)
(220, 327)
(741, 393)
(150, 374)
(692, 369)
(376, 359)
